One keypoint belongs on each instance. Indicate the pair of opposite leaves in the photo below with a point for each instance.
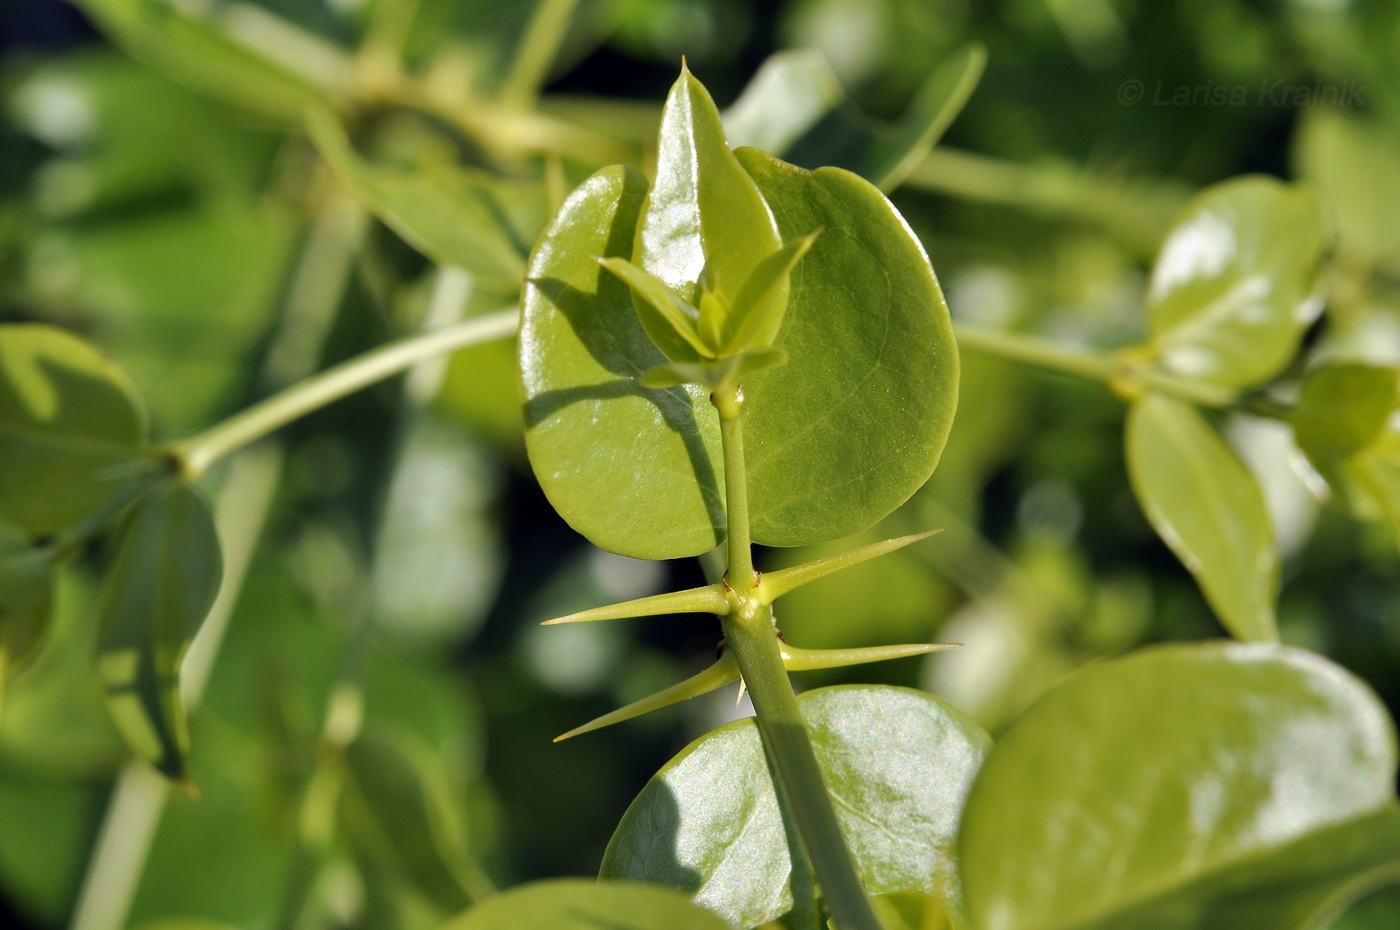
(642, 300)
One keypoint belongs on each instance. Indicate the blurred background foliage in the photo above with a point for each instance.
(170, 207)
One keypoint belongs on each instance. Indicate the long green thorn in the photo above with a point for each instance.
(797, 659)
(716, 676)
(707, 600)
(774, 585)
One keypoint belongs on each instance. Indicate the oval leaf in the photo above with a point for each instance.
(399, 812)
(158, 590)
(579, 904)
(854, 423)
(1344, 408)
(897, 761)
(1233, 286)
(1145, 782)
(1206, 505)
(71, 428)
(633, 469)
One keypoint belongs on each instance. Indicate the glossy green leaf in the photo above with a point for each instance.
(898, 763)
(1234, 285)
(630, 468)
(453, 215)
(872, 372)
(582, 904)
(26, 602)
(158, 589)
(290, 71)
(71, 429)
(1160, 790)
(703, 213)
(400, 812)
(1355, 166)
(1344, 408)
(1207, 506)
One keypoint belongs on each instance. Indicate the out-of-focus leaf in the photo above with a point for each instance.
(158, 589)
(204, 54)
(898, 763)
(438, 561)
(787, 96)
(1358, 172)
(1344, 408)
(400, 812)
(44, 846)
(1161, 790)
(71, 429)
(455, 216)
(26, 602)
(793, 108)
(1208, 508)
(581, 904)
(1234, 284)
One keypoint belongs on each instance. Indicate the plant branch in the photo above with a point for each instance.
(749, 631)
(537, 51)
(1113, 370)
(197, 453)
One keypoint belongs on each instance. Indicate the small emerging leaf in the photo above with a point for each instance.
(714, 374)
(758, 309)
(1208, 507)
(158, 590)
(659, 307)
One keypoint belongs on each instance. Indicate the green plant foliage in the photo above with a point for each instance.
(1234, 283)
(399, 810)
(1354, 165)
(1343, 409)
(1150, 791)
(872, 372)
(162, 580)
(577, 904)
(793, 108)
(645, 484)
(71, 429)
(204, 56)
(898, 763)
(26, 596)
(454, 215)
(1207, 506)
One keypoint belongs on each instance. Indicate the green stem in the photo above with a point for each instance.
(1108, 369)
(749, 631)
(197, 453)
(537, 51)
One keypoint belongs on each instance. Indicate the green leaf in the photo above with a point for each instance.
(661, 311)
(711, 375)
(897, 761)
(582, 904)
(452, 215)
(1234, 284)
(1160, 790)
(794, 107)
(1344, 408)
(1207, 506)
(158, 590)
(703, 214)
(399, 812)
(872, 372)
(761, 303)
(26, 602)
(207, 55)
(1354, 165)
(71, 429)
(630, 468)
